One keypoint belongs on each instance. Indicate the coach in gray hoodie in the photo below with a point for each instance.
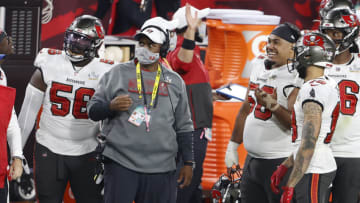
(146, 123)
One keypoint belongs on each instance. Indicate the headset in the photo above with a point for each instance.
(166, 45)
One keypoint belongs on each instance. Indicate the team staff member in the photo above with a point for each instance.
(185, 60)
(266, 132)
(66, 138)
(12, 131)
(316, 111)
(346, 142)
(146, 123)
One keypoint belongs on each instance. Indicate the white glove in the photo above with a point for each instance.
(231, 156)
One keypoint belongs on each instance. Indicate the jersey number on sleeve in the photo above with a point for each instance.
(348, 101)
(334, 118)
(61, 105)
(293, 127)
(260, 113)
(54, 51)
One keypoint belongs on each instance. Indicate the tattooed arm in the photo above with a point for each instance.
(310, 133)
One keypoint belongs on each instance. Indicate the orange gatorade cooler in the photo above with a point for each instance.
(225, 113)
(245, 38)
(218, 13)
(214, 59)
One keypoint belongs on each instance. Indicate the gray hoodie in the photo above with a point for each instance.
(132, 146)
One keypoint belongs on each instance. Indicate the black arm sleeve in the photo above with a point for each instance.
(100, 111)
(185, 142)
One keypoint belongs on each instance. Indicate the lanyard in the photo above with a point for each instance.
(167, 63)
(139, 85)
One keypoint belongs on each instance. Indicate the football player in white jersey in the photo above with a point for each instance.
(341, 24)
(13, 129)
(266, 133)
(314, 118)
(63, 84)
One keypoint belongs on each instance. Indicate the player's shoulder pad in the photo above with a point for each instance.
(41, 57)
(107, 61)
(317, 86)
(318, 81)
(45, 56)
(49, 51)
(53, 51)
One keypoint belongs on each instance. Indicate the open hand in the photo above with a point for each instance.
(16, 169)
(185, 175)
(192, 21)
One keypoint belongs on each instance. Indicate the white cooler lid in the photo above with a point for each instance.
(218, 13)
(251, 19)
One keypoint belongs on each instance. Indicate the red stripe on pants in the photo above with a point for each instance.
(314, 188)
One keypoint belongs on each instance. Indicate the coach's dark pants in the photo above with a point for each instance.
(193, 193)
(123, 185)
(4, 192)
(346, 185)
(255, 182)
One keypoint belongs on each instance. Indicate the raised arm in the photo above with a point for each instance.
(186, 53)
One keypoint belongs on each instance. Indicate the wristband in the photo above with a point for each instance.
(192, 164)
(232, 146)
(188, 44)
(17, 157)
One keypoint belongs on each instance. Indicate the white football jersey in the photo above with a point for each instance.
(264, 136)
(64, 125)
(324, 92)
(3, 80)
(346, 140)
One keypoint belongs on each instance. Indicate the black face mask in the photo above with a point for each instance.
(354, 48)
(198, 38)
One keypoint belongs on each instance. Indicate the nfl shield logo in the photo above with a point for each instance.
(337, 69)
